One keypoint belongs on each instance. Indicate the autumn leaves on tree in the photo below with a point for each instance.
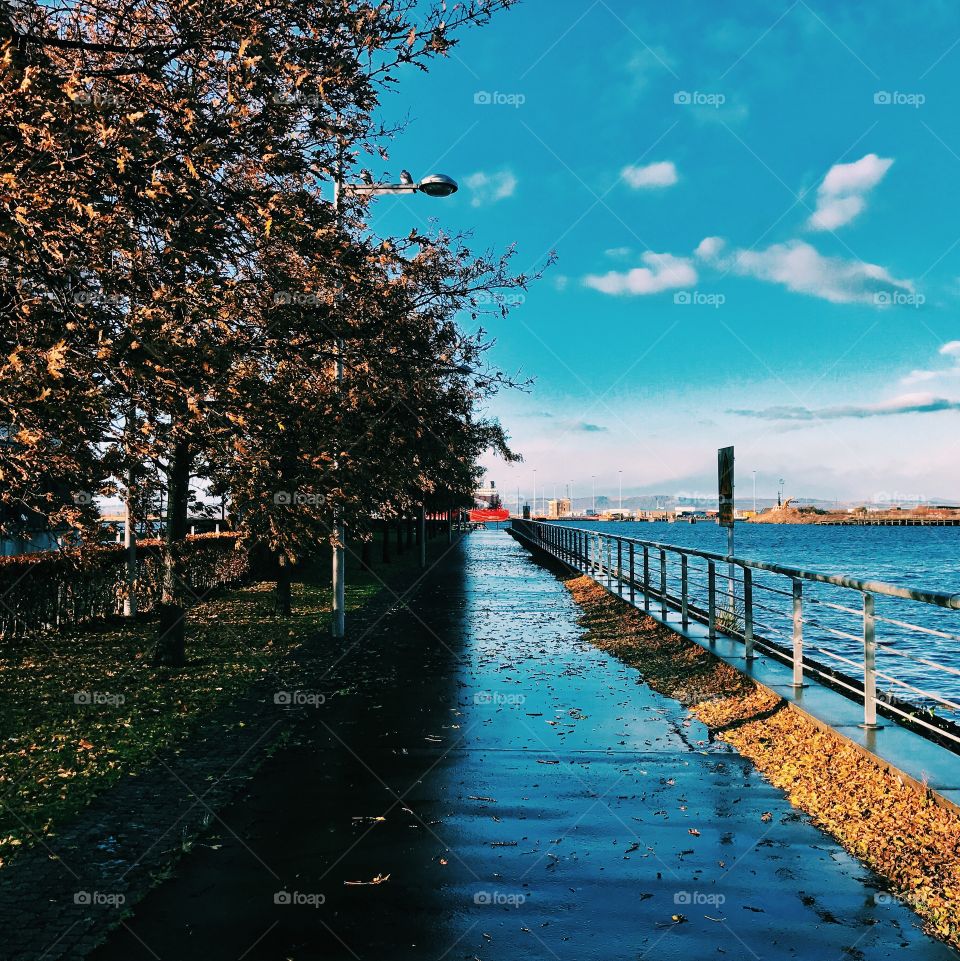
(176, 287)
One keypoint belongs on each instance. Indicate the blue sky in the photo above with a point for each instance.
(755, 214)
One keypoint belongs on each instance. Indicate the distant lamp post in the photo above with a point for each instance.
(754, 492)
(593, 477)
(780, 494)
(620, 472)
(433, 185)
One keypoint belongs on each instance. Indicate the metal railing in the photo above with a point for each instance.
(823, 625)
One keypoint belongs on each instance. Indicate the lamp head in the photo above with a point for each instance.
(438, 185)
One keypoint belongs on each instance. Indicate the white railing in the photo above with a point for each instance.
(838, 628)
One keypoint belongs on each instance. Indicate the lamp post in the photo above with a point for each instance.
(434, 185)
(593, 477)
(534, 511)
(754, 492)
(620, 472)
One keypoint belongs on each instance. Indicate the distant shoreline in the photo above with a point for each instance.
(916, 517)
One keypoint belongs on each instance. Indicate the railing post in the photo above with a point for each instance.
(797, 632)
(633, 592)
(748, 613)
(609, 563)
(663, 584)
(620, 566)
(684, 608)
(869, 663)
(712, 599)
(646, 578)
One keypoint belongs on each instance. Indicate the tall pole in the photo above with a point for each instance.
(130, 529)
(594, 478)
(534, 513)
(422, 520)
(754, 492)
(620, 472)
(338, 613)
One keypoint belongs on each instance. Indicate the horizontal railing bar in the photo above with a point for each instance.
(839, 607)
(833, 630)
(838, 657)
(917, 627)
(887, 649)
(917, 690)
(937, 598)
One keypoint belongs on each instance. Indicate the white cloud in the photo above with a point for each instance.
(709, 248)
(660, 272)
(661, 174)
(842, 195)
(488, 188)
(951, 349)
(617, 252)
(801, 268)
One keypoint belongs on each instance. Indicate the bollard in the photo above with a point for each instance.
(797, 632)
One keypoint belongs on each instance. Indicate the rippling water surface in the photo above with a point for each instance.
(921, 557)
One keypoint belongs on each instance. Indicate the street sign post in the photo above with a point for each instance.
(726, 486)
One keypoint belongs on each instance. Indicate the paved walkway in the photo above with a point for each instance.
(527, 796)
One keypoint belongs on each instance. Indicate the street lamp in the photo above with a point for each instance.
(593, 477)
(433, 185)
(620, 472)
(754, 491)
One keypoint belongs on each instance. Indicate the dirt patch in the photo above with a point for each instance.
(900, 832)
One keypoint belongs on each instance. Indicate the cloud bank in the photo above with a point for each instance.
(904, 404)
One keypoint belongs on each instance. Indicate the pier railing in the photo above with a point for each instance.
(870, 640)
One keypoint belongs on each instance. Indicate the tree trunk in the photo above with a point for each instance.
(410, 532)
(170, 650)
(365, 557)
(399, 537)
(284, 584)
(386, 541)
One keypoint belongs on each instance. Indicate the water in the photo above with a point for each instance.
(918, 557)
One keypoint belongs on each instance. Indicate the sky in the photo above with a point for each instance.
(756, 221)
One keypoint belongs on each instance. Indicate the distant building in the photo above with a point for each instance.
(559, 507)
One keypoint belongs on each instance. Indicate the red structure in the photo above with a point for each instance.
(482, 515)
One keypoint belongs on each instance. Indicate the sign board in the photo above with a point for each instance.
(725, 477)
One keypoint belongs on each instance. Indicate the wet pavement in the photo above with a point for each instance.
(518, 794)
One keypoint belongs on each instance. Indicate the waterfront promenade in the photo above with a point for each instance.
(515, 793)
